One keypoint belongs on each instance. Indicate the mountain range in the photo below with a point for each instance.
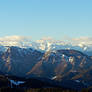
(83, 44)
(51, 59)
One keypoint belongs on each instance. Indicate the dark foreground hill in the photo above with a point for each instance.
(39, 85)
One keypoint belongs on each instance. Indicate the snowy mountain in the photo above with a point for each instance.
(46, 44)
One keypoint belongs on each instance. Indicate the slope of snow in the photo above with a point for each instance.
(13, 82)
(54, 77)
(16, 82)
(3, 48)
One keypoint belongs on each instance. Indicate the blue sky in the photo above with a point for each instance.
(49, 18)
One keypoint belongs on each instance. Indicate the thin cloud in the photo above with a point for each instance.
(15, 38)
(82, 40)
